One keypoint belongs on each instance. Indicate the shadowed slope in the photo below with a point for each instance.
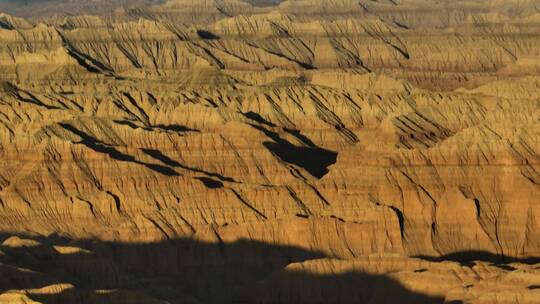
(177, 270)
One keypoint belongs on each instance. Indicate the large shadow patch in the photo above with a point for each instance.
(180, 269)
(313, 159)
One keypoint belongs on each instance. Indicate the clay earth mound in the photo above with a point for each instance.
(300, 151)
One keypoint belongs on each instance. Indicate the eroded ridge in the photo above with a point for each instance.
(271, 152)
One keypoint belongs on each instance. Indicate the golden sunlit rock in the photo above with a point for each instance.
(266, 151)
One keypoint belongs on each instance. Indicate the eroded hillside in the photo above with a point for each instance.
(272, 152)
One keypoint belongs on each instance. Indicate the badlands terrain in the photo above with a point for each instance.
(300, 151)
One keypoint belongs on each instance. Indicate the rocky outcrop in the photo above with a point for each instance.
(225, 151)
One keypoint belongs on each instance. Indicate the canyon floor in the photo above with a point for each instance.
(301, 151)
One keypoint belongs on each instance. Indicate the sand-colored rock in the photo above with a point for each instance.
(270, 152)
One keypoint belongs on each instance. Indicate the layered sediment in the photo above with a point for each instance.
(255, 151)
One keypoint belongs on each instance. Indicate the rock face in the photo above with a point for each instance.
(272, 152)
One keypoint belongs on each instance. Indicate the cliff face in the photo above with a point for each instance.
(205, 150)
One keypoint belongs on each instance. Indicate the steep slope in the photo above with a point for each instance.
(262, 152)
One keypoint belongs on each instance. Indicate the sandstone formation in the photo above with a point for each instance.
(300, 151)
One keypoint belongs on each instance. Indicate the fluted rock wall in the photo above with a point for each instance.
(218, 149)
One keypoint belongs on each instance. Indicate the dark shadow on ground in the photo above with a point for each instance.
(313, 159)
(101, 147)
(210, 183)
(258, 118)
(468, 258)
(98, 146)
(176, 270)
(174, 127)
(206, 35)
(263, 3)
(156, 154)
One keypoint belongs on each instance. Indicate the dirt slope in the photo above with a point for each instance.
(262, 152)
